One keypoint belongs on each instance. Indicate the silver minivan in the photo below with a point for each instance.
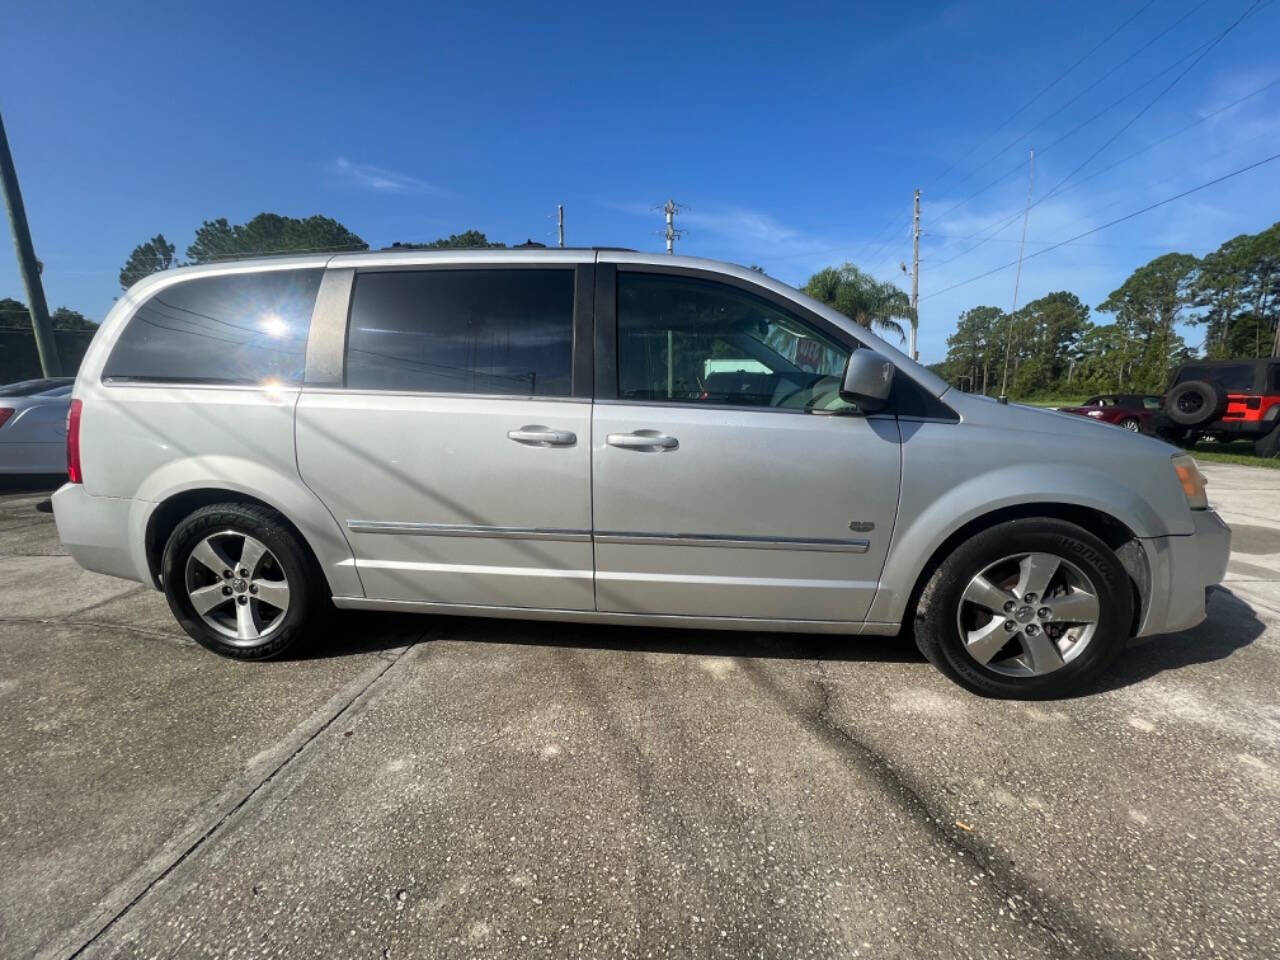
(609, 436)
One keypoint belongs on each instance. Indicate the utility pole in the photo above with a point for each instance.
(671, 208)
(1017, 280)
(46, 347)
(915, 275)
(560, 222)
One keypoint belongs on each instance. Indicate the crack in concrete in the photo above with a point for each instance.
(1066, 931)
(202, 826)
(181, 640)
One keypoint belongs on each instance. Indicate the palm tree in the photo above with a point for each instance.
(862, 298)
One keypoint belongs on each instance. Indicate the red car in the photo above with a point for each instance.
(1132, 411)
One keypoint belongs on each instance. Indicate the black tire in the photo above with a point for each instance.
(937, 626)
(288, 557)
(1132, 424)
(1268, 445)
(1195, 403)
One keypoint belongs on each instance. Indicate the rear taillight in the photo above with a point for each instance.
(5, 414)
(74, 473)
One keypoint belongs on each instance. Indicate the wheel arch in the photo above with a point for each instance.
(173, 508)
(1111, 530)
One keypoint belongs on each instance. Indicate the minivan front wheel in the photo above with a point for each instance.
(1029, 609)
(238, 581)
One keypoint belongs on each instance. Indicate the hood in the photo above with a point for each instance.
(1040, 420)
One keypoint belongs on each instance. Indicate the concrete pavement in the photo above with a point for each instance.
(447, 787)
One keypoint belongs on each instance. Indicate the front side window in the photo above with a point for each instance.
(687, 340)
(502, 331)
(239, 328)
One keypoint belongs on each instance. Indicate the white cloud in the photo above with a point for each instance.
(380, 179)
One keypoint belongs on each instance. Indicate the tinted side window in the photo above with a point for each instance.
(243, 328)
(686, 340)
(506, 332)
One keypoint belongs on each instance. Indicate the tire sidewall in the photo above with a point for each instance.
(1213, 402)
(1268, 445)
(277, 538)
(939, 637)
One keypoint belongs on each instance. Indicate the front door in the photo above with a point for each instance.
(455, 455)
(730, 479)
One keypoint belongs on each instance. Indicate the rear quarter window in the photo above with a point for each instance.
(1236, 377)
(240, 328)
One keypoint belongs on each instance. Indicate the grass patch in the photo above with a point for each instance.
(1240, 452)
(1050, 402)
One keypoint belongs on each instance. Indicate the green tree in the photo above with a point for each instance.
(269, 233)
(972, 351)
(1048, 331)
(1108, 354)
(66, 319)
(862, 298)
(13, 313)
(147, 258)
(467, 240)
(1238, 288)
(1148, 306)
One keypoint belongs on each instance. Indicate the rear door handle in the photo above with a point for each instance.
(642, 440)
(536, 435)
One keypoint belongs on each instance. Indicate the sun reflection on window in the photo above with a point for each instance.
(273, 326)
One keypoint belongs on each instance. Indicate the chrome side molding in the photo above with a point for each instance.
(733, 541)
(608, 536)
(465, 530)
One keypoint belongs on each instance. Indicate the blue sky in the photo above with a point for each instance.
(794, 133)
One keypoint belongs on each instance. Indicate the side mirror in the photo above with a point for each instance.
(867, 381)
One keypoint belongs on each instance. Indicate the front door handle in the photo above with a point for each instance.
(642, 440)
(536, 435)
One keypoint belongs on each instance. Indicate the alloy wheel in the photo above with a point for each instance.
(1028, 614)
(238, 587)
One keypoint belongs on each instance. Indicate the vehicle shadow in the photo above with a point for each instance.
(31, 482)
(1230, 625)
(352, 632)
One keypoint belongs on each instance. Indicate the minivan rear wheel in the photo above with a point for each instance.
(1029, 609)
(238, 581)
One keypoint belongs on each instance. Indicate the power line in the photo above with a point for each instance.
(882, 236)
(1053, 83)
(1203, 51)
(1096, 83)
(1172, 83)
(1112, 223)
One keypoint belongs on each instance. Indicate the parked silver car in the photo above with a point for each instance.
(613, 437)
(33, 426)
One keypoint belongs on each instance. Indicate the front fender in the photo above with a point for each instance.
(942, 492)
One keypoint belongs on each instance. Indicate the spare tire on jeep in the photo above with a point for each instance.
(1195, 402)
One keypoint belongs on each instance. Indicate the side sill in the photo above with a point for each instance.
(623, 619)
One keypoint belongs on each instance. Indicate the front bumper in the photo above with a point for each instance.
(98, 532)
(1181, 570)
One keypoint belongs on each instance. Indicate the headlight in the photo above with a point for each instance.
(1192, 480)
(1094, 413)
